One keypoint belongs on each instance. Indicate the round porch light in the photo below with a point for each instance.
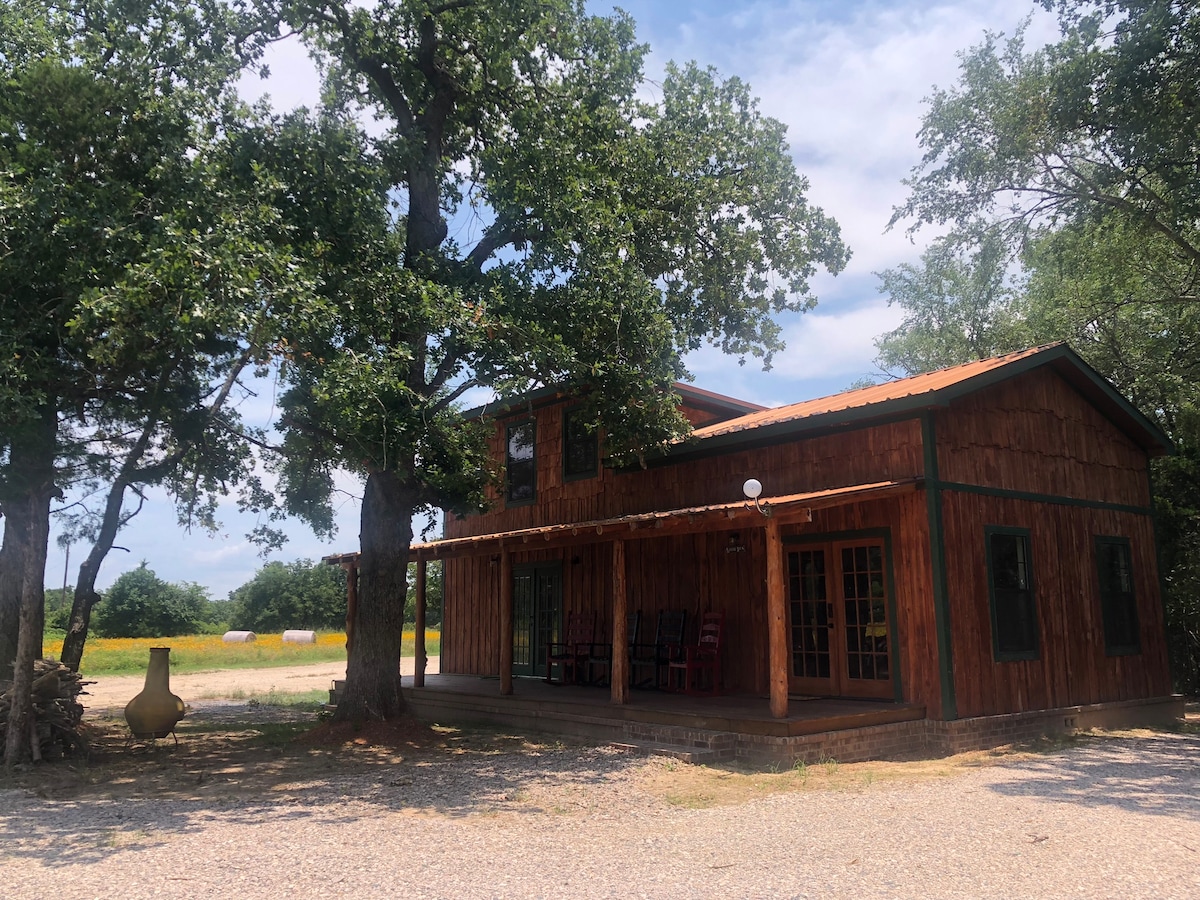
(752, 488)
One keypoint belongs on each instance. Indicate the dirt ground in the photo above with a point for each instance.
(112, 692)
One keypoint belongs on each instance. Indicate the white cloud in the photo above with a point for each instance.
(293, 78)
(220, 553)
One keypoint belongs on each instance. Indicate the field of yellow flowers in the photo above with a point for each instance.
(202, 652)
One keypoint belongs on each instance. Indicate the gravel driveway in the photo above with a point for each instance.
(1112, 818)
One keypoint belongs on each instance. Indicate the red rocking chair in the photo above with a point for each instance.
(571, 654)
(704, 656)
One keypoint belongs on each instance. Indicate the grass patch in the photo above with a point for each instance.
(205, 652)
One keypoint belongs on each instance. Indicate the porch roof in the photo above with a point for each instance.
(787, 507)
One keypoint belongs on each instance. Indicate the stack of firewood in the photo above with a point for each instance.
(57, 711)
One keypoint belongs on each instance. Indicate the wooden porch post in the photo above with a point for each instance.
(618, 668)
(506, 622)
(419, 627)
(776, 623)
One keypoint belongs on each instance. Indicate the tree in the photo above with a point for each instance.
(1081, 155)
(141, 605)
(960, 304)
(614, 234)
(300, 594)
(133, 280)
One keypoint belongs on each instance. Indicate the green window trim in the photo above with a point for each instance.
(580, 448)
(520, 463)
(1118, 600)
(1011, 593)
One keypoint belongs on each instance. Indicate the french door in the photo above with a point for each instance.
(537, 615)
(839, 631)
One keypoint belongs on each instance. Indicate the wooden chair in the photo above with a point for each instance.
(602, 654)
(572, 652)
(668, 639)
(704, 656)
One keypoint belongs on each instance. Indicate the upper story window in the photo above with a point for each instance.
(1118, 606)
(520, 463)
(1010, 584)
(580, 450)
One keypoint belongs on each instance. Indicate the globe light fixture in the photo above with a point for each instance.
(753, 490)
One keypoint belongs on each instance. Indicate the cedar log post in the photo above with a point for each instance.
(776, 623)
(506, 622)
(351, 602)
(419, 627)
(618, 665)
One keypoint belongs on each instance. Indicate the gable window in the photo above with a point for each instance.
(520, 464)
(1010, 586)
(1118, 606)
(580, 452)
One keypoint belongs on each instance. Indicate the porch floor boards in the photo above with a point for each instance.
(553, 706)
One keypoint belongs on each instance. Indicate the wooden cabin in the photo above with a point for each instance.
(976, 542)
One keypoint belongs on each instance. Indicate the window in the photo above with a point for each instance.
(579, 447)
(520, 464)
(1118, 607)
(1010, 584)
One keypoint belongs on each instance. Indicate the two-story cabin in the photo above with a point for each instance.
(976, 544)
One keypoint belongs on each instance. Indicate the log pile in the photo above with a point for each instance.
(54, 730)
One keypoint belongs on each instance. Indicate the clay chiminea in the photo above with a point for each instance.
(154, 712)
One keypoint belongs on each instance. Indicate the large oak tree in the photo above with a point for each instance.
(542, 214)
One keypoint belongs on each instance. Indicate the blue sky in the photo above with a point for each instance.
(848, 79)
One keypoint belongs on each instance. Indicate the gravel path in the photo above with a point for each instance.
(1112, 818)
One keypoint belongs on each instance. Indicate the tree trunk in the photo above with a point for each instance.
(22, 580)
(85, 586)
(373, 665)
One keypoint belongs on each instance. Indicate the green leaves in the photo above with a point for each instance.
(614, 234)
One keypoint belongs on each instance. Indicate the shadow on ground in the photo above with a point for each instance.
(233, 765)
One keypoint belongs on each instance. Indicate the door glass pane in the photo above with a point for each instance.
(864, 604)
(807, 593)
(522, 623)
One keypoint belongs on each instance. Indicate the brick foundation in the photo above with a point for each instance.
(929, 738)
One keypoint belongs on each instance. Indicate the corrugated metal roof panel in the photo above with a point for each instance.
(929, 383)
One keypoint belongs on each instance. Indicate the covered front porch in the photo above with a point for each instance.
(699, 729)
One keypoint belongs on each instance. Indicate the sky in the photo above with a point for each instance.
(848, 77)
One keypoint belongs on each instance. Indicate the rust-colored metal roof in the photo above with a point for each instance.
(929, 384)
(907, 396)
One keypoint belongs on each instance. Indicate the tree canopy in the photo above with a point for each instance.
(136, 282)
(299, 594)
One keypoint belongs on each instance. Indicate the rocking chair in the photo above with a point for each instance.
(668, 637)
(571, 654)
(602, 654)
(704, 656)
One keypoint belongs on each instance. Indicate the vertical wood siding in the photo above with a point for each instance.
(864, 455)
(1036, 433)
(1072, 667)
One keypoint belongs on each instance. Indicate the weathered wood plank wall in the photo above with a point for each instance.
(865, 455)
(1071, 667)
(1036, 434)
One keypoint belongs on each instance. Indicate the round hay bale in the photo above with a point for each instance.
(239, 637)
(294, 636)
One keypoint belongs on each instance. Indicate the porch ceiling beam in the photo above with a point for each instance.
(786, 509)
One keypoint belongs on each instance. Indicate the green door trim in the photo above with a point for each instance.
(937, 559)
